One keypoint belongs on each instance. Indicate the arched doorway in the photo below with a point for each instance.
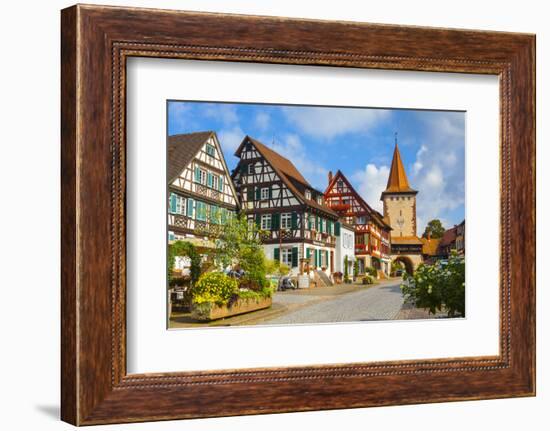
(407, 262)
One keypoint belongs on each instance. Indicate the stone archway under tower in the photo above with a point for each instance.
(410, 262)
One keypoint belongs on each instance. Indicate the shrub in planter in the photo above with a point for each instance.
(367, 279)
(214, 287)
(371, 271)
(437, 287)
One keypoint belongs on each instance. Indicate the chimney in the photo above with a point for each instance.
(329, 177)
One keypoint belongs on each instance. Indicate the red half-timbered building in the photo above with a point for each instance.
(372, 232)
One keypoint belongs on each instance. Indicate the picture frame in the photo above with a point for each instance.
(96, 41)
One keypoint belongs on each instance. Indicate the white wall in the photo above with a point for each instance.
(30, 144)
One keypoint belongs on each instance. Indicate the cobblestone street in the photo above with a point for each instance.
(379, 302)
(340, 303)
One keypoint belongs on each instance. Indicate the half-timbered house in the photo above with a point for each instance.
(300, 228)
(201, 195)
(372, 232)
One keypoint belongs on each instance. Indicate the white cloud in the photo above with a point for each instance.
(227, 113)
(230, 139)
(292, 148)
(370, 183)
(438, 170)
(330, 122)
(262, 120)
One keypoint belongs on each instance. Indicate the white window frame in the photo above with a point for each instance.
(202, 176)
(251, 169)
(181, 203)
(286, 220)
(308, 194)
(361, 220)
(286, 256)
(264, 193)
(215, 181)
(265, 223)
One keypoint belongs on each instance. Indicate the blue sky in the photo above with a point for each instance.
(358, 141)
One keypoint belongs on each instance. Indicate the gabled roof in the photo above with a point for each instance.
(449, 236)
(288, 173)
(430, 246)
(375, 214)
(182, 149)
(406, 240)
(397, 180)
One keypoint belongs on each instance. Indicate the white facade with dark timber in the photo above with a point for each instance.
(201, 195)
(276, 197)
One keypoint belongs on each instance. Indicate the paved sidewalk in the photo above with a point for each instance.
(379, 302)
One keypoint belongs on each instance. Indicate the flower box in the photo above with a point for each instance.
(208, 311)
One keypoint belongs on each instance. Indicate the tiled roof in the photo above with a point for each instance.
(430, 246)
(397, 180)
(182, 149)
(288, 174)
(406, 240)
(449, 236)
(375, 214)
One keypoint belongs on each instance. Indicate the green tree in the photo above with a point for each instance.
(185, 249)
(434, 229)
(240, 245)
(346, 270)
(438, 287)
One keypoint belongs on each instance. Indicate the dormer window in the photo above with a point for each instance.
(308, 194)
(320, 200)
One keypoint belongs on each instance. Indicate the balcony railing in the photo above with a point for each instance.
(200, 227)
(203, 190)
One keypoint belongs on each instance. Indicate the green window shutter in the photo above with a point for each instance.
(258, 220)
(250, 194)
(190, 207)
(276, 253)
(321, 225)
(294, 257)
(213, 214)
(275, 221)
(294, 220)
(172, 203)
(220, 184)
(270, 193)
(326, 257)
(201, 211)
(329, 228)
(210, 179)
(317, 223)
(315, 258)
(242, 168)
(197, 174)
(309, 223)
(258, 193)
(337, 228)
(308, 253)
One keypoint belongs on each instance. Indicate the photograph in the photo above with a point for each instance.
(298, 214)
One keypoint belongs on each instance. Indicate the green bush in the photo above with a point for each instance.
(437, 287)
(371, 271)
(367, 279)
(265, 292)
(214, 287)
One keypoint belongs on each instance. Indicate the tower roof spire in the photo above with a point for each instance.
(397, 180)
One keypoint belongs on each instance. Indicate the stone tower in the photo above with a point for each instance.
(399, 200)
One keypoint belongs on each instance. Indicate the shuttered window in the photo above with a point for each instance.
(294, 257)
